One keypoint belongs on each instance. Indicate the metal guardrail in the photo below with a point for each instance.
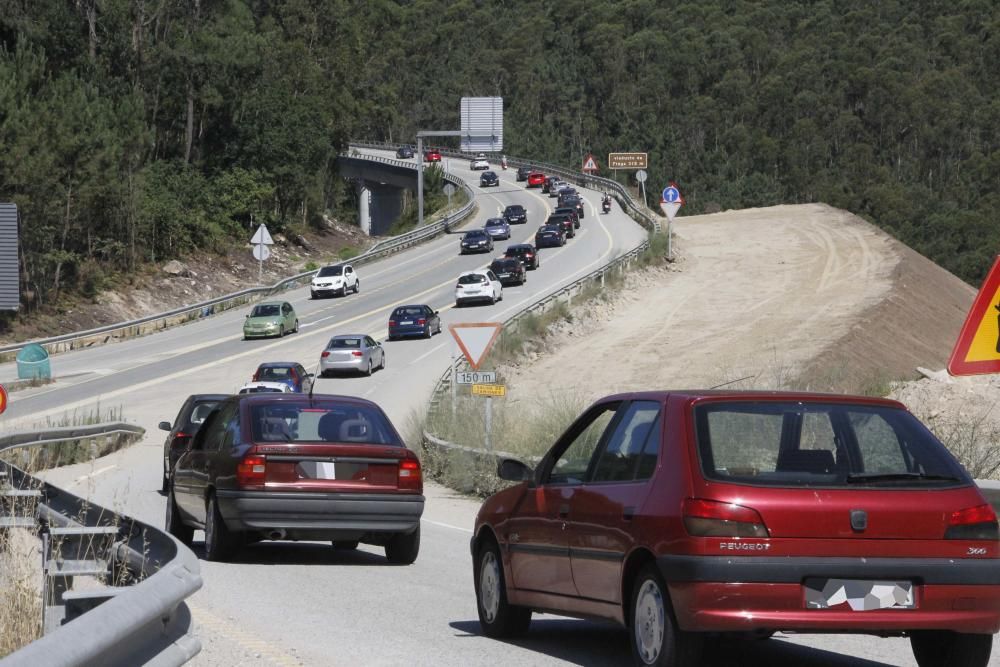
(642, 215)
(184, 314)
(141, 618)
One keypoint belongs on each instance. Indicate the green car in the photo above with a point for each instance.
(271, 318)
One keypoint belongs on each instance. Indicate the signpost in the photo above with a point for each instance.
(482, 124)
(261, 239)
(628, 161)
(449, 190)
(641, 176)
(977, 350)
(670, 203)
(475, 340)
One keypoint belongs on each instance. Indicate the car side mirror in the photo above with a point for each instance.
(513, 470)
(248, 316)
(165, 426)
(310, 375)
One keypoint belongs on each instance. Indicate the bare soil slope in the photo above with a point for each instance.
(789, 296)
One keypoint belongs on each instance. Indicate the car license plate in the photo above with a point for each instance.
(858, 594)
(318, 469)
(407, 322)
(503, 275)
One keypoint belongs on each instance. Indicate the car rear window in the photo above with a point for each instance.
(320, 422)
(820, 444)
(408, 312)
(344, 343)
(471, 279)
(274, 373)
(330, 271)
(495, 222)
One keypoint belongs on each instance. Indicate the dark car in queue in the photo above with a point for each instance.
(549, 182)
(298, 467)
(414, 320)
(476, 240)
(565, 221)
(509, 271)
(574, 200)
(550, 236)
(291, 373)
(571, 212)
(526, 253)
(488, 179)
(189, 419)
(404, 152)
(522, 173)
(497, 228)
(515, 214)
(535, 179)
(694, 514)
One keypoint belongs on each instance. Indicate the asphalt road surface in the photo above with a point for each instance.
(303, 603)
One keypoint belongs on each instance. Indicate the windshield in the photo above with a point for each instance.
(344, 343)
(478, 234)
(330, 271)
(472, 279)
(514, 209)
(265, 310)
(320, 421)
(820, 444)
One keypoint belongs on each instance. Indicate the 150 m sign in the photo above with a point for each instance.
(627, 161)
(476, 377)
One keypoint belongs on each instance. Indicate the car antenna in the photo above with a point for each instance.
(313, 384)
(748, 377)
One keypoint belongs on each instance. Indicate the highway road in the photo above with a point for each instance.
(303, 603)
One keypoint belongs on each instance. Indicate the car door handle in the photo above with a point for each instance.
(563, 511)
(628, 513)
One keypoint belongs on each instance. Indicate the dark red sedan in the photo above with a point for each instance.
(679, 514)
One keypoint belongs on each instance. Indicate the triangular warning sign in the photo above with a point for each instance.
(475, 339)
(590, 164)
(262, 236)
(978, 348)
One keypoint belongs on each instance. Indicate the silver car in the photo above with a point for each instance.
(357, 353)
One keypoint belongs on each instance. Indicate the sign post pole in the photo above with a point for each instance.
(671, 202)
(488, 417)
(454, 390)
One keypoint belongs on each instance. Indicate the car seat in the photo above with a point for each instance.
(329, 427)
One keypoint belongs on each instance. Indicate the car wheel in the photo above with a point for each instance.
(281, 331)
(343, 291)
(403, 549)
(296, 329)
(357, 287)
(498, 618)
(175, 526)
(656, 639)
(324, 374)
(427, 332)
(313, 295)
(219, 541)
(345, 545)
(493, 298)
(368, 372)
(940, 648)
(381, 365)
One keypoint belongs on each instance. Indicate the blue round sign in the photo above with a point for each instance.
(671, 194)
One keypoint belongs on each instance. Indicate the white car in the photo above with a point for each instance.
(479, 162)
(264, 388)
(476, 286)
(335, 279)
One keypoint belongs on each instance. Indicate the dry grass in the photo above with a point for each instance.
(20, 590)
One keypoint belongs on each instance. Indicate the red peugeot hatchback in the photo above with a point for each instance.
(679, 514)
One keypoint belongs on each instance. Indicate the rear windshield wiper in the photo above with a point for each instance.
(862, 477)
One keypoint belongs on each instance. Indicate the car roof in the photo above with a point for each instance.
(357, 335)
(271, 303)
(277, 364)
(413, 305)
(472, 273)
(514, 206)
(304, 399)
(198, 398)
(496, 221)
(475, 231)
(754, 395)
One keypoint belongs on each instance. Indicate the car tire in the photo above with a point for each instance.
(439, 327)
(357, 287)
(313, 295)
(219, 541)
(940, 648)
(498, 618)
(402, 549)
(369, 371)
(296, 329)
(343, 291)
(324, 374)
(345, 545)
(381, 365)
(427, 332)
(656, 640)
(281, 331)
(493, 299)
(174, 524)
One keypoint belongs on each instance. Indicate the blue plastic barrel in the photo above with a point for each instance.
(33, 363)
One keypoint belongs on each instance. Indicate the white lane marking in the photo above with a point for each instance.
(446, 525)
(427, 354)
(95, 473)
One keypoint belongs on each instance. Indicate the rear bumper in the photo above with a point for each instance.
(743, 594)
(316, 513)
(414, 330)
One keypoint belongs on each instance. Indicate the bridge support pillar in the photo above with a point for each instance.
(364, 207)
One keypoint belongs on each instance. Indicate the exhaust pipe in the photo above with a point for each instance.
(278, 534)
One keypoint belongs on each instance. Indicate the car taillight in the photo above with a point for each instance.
(711, 518)
(409, 475)
(392, 323)
(973, 523)
(421, 322)
(250, 472)
(256, 375)
(357, 353)
(326, 353)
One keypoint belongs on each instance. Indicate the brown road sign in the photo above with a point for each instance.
(628, 161)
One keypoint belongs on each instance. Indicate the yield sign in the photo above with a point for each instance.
(977, 350)
(261, 236)
(475, 339)
(590, 164)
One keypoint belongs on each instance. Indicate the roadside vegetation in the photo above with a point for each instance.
(20, 590)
